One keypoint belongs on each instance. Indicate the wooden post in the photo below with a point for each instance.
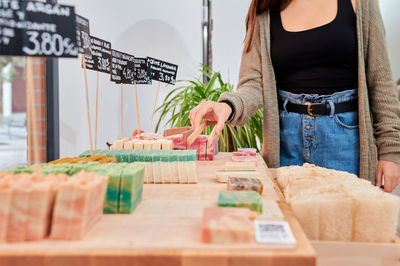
(122, 109)
(137, 108)
(87, 104)
(97, 110)
(31, 105)
(154, 108)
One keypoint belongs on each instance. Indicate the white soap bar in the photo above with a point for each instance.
(129, 145)
(118, 144)
(156, 145)
(147, 144)
(222, 175)
(166, 144)
(240, 166)
(191, 171)
(138, 145)
(148, 173)
(173, 172)
(157, 172)
(183, 177)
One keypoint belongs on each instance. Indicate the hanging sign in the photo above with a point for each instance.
(100, 59)
(128, 70)
(116, 66)
(142, 75)
(30, 28)
(162, 71)
(83, 35)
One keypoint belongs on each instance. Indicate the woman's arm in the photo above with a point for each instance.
(249, 96)
(384, 101)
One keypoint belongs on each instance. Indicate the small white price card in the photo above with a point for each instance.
(274, 233)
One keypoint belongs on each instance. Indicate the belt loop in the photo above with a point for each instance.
(332, 105)
(284, 105)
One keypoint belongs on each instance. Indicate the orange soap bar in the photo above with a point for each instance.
(227, 225)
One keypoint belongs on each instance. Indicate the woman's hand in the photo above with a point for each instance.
(210, 111)
(391, 173)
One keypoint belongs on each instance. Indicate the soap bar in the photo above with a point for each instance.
(131, 188)
(5, 205)
(249, 199)
(240, 166)
(78, 206)
(245, 183)
(227, 225)
(112, 194)
(222, 175)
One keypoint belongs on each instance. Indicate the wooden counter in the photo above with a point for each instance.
(165, 230)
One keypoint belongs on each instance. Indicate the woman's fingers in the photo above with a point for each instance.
(379, 175)
(211, 111)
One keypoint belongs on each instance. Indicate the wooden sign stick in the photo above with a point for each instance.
(122, 109)
(29, 123)
(97, 110)
(31, 100)
(154, 108)
(137, 108)
(87, 104)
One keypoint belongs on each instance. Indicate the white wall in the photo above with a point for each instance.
(391, 18)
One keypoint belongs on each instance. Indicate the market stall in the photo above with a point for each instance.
(165, 230)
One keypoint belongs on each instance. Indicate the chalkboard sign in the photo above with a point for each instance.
(100, 59)
(162, 71)
(83, 35)
(128, 70)
(30, 28)
(142, 75)
(116, 66)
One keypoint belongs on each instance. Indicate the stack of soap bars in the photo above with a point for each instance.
(125, 183)
(245, 155)
(32, 205)
(143, 144)
(204, 153)
(161, 167)
(336, 205)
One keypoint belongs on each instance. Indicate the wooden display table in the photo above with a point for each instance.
(165, 230)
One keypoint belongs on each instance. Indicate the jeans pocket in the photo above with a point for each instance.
(347, 120)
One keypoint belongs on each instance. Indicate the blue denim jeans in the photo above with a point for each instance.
(330, 141)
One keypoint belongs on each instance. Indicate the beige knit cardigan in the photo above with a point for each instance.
(379, 109)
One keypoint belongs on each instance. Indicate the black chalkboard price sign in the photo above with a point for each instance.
(100, 59)
(83, 35)
(30, 28)
(162, 71)
(128, 70)
(116, 66)
(142, 75)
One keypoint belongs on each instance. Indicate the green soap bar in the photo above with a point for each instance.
(113, 190)
(249, 199)
(131, 188)
(191, 155)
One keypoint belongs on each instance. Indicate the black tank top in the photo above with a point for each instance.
(321, 60)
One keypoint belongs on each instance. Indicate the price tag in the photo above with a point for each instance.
(128, 70)
(100, 59)
(30, 28)
(83, 35)
(142, 75)
(274, 233)
(162, 71)
(116, 66)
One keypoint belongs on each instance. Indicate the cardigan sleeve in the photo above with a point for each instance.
(383, 94)
(249, 95)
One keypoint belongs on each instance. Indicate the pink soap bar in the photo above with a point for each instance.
(227, 225)
(18, 219)
(78, 206)
(5, 206)
(41, 204)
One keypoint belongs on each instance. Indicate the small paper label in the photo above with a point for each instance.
(274, 233)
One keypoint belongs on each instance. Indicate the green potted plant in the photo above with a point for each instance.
(181, 100)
